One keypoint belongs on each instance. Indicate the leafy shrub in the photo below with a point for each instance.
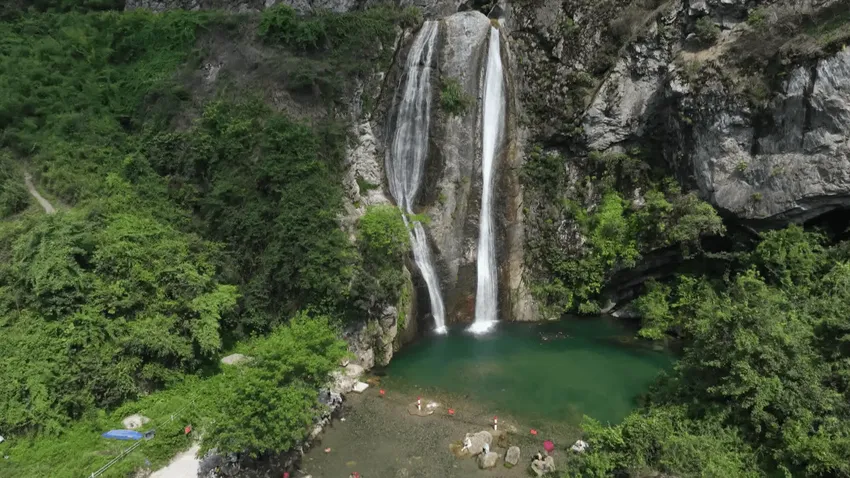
(383, 242)
(94, 307)
(578, 242)
(666, 440)
(706, 31)
(276, 392)
(383, 235)
(757, 17)
(14, 196)
(281, 24)
(453, 99)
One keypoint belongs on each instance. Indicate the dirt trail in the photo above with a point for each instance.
(48, 208)
(184, 465)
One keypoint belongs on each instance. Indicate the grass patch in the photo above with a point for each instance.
(453, 100)
(81, 450)
(706, 31)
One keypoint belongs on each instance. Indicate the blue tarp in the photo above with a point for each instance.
(123, 435)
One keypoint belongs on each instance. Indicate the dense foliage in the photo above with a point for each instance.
(297, 355)
(331, 48)
(384, 243)
(14, 197)
(269, 188)
(765, 367)
(588, 228)
(190, 221)
(97, 306)
(268, 404)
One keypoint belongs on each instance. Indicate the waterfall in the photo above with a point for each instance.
(486, 299)
(408, 152)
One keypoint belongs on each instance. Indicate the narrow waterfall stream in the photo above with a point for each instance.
(409, 151)
(486, 298)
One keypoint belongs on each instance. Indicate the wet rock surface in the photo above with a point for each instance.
(453, 176)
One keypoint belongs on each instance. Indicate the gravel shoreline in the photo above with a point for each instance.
(378, 438)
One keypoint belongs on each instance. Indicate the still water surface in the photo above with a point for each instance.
(535, 372)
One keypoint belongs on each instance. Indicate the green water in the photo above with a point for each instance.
(584, 367)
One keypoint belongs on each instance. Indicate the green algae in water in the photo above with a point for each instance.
(583, 367)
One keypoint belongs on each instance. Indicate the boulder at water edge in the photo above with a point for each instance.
(475, 442)
(487, 460)
(512, 456)
(541, 467)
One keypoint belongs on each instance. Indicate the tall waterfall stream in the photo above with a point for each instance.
(486, 297)
(409, 151)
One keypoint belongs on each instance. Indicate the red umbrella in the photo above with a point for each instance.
(549, 446)
(533, 431)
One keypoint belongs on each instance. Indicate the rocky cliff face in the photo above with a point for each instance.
(433, 8)
(783, 161)
(454, 173)
(745, 102)
(786, 162)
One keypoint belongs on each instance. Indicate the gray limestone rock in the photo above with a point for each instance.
(135, 421)
(455, 149)
(544, 466)
(513, 455)
(474, 442)
(235, 359)
(794, 170)
(487, 460)
(623, 103)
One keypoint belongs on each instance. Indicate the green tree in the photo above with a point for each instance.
(665, 440)
(101, 305)
(267, 405)
(383, 242)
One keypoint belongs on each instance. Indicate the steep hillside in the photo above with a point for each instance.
(199, 158)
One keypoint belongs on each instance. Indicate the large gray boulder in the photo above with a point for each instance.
(513, 455)
(544, 466)
(487, 460)
(474, 442)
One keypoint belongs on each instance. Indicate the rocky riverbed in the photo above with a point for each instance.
(378, 437)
